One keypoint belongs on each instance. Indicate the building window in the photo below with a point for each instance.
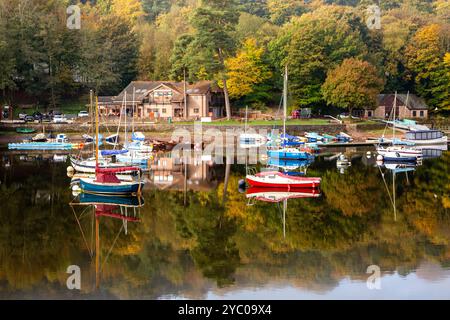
(164, 110)
(196, 110)
(369, 114)
(414, 113)
(422, 114)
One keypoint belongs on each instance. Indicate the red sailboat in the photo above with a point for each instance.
(280, 194)
(277, 179)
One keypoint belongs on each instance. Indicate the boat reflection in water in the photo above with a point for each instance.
(279, 195)
(395, 168)
(125, 209)
(432, 151)
(276, 195)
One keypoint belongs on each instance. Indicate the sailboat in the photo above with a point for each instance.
(247, 139)
(138, 153)
(395, 152)
(105, 180)
(285, 151)
(277, 179)
(125, 209)
(280, 194)
(104, 159)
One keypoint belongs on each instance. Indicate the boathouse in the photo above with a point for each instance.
(413, 107)
(167, 99)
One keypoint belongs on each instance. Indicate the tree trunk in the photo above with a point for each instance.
(227, 98)
(225, 87)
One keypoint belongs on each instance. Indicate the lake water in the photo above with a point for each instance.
(187, 238)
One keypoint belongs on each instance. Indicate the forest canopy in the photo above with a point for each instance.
(243, 45)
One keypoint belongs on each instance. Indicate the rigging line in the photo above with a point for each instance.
(387, 124)
(110, 249)
(387, 188)
(82, 233)
(118, 127)
(279, 109)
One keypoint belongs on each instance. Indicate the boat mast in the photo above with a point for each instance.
(393, 193)
(246, 116)
(134, 101)
(97, 252)
(91, 114)
(285, 89)
(393, 117)
(284, 217)
(126, 140)
(96, 133)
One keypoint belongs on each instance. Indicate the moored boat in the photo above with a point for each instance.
(280, 180)
(106, 182)
(289, 154)
(60, 143)
(25, 130)
(426, 137)
(89, 165)
(280, 194)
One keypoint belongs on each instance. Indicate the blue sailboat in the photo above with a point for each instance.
(286, 151)
(106, 182)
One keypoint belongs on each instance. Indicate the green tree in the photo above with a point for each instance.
(354, 84)
(254, 7)
(320, 41)
(153, 8)
(215, 21)
(252, 26)
(7, 61)
(282, 10)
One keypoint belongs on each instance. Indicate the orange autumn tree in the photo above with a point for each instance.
(353, 84)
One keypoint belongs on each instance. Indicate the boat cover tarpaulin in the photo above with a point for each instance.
(113, 152)
(106, 178)
(116, 170)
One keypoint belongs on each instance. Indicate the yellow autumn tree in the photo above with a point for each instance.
(246, 70)
(425, 57)
(130, 10)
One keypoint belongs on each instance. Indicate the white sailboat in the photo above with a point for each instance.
(395, 152)
(247, 139)
(138, 153)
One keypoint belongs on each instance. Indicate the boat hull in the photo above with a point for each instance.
(399, 159)
(277, 180)
(123, 188)
(88, 166)
(42, 146)
(392, 152)
(443, 140)
(280, 194)
(288, 155)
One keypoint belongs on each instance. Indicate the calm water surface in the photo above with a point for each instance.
(196, 236)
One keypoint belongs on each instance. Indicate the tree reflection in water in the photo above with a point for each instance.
(189, 246)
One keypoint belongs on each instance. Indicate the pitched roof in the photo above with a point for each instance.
(142, 88)
(414, 102)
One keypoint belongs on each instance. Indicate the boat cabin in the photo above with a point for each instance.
(424, 135)
(61, 138)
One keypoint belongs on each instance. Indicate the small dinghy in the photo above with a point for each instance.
(279, 180)
(25, 130)
(398, 153)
